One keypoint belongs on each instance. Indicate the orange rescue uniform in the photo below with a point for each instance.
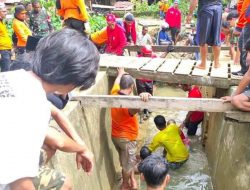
(73, 9)
(22, 32)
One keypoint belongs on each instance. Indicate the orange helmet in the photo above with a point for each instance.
(147, 49)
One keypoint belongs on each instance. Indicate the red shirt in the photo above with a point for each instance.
(130, 29)
(116, 40)
(173, 17)
(196, 115)
(242, 6)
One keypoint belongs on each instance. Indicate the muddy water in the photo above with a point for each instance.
(194, 174)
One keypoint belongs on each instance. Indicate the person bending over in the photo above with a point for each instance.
(169, 138)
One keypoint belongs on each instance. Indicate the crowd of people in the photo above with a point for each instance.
(49, 64)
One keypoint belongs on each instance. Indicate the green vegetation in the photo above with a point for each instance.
(51, 9)
(97, 22)
(142, 8)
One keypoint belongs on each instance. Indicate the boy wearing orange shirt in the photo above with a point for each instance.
(125, 129)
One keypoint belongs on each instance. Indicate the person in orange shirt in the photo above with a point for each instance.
(125, 129)
(21, 30)
(99, 38)
(74, 14)
(5, 41)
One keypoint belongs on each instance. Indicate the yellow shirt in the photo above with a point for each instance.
(5, 41)
(170, 139)
(165, 7)
(22, 32)
(161, 5)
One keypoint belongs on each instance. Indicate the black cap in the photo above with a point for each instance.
(232, 14)
(129, 17)
(20, 9)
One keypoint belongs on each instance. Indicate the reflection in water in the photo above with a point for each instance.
(194, 174)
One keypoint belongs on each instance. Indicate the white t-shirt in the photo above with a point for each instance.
(143, 39)
(24, 117)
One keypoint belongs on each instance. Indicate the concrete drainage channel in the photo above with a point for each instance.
(225, 160)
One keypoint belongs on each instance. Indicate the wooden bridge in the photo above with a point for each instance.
(172, 70)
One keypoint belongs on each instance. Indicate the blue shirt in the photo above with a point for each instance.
(163, 36)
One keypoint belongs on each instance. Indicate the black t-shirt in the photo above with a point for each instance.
(203, 3)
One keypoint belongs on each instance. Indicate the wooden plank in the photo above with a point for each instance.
(117, 61)
(242, 117)
(163, 48)
(153, 64)
(139, 62)
(170, 103)
(234, 67)
(182, 79)
(169, 66)
(150, 23)
(201, 72)
(185, 67)
(97, 6)
(221, 72)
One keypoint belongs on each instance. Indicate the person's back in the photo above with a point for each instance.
(74, 14)
(124, 125)
(72, 9)
(172, 142)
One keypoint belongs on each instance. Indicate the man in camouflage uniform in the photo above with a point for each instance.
(40, 23)
(47, 177)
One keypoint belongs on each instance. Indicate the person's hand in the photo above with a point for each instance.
(85, 160)
(182, 126)
(87, 27)
(227, 98)
(189, 18)
(121, 71)
(236, 33)
(145, 96)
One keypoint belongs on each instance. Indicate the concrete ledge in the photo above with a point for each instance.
(93, 125)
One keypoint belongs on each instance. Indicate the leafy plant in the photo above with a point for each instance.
(97, 22)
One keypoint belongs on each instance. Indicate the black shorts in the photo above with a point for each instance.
(174, 33)
(75, 24)
(192, 127)
(208, 25)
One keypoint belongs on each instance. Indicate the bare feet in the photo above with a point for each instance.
(201, 66)
(216, 65)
